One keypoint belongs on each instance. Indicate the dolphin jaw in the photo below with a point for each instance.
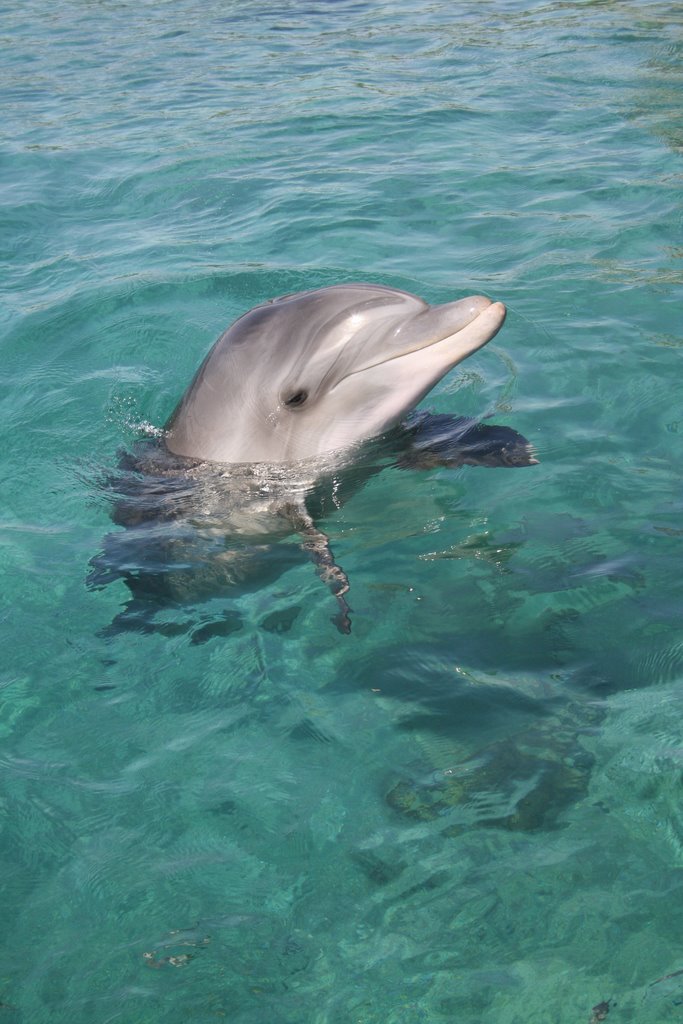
(449, 349)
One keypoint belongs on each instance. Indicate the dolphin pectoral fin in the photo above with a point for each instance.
(318, 547)
(459, 441)
(316, 544)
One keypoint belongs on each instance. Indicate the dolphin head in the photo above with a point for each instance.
(320, 371)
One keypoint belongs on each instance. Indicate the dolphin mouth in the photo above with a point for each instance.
(443, 335)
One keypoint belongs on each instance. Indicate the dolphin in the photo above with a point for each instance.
(319, 371)
(294, 407)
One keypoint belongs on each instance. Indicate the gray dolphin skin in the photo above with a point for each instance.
(318, 372)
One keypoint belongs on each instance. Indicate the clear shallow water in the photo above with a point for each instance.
(469, 809)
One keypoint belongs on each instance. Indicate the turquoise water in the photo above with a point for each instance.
(470, 808)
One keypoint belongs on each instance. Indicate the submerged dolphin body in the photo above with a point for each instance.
(268, 438)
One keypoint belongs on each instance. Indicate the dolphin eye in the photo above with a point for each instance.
(298, 398)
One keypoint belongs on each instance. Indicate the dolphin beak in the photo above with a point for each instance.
(473, 321)
(426, 346)
(445, 335)
(485, 320)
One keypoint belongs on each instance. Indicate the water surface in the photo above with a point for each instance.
(470, 808)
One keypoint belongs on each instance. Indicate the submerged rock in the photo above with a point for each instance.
(521, 783)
